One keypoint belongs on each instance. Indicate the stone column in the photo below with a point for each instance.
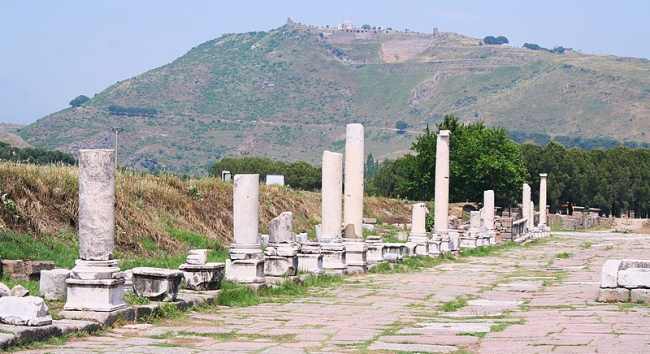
(332, 196)
(441, 210)
(525, 206)
(418, 219)
(488, 209)
(95, 283)
(281, 254)
(355, 247)
(354, 163)
(418, 240)
(542, 198)
(246, 263)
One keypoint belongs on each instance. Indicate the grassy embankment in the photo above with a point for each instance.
(158, 218)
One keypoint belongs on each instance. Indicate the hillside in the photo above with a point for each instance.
(154, 213)
(287, 93)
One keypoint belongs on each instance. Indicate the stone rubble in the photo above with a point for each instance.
(24, 311)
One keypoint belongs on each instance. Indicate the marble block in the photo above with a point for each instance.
(157, 283)
(245, 270)
(102, 295)
(24, 311)
(206, 276)
(52, 283)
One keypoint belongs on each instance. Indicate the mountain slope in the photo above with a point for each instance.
(287, 93)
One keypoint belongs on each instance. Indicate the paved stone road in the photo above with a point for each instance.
(526, 300)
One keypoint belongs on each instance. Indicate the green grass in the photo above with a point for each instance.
(31, 285)
(132, 298)
(237, 295)
(410, 264)
(563, 255)
(586, 245)
(61, 249)
(454, 305)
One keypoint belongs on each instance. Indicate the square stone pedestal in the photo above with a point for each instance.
(469, 241)
(279, 266)
(356, 256)
(434, 245)
(394, 252)
(310, 263)
(334, 258)
(101, 295)
(246, 271)
(418, 245)
(375, 252)
(157, 284)
(206, 276)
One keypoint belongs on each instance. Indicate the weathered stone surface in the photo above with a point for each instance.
(634, 278)
(96, 204)
(246, 209)
(525, 205)
(614, 295)
(281, 228)
(609, 273)
(418, 219)
(18, 291)
(157, 283)
(640, 296)
(4, 290)
(25, 269)
(197, 256)
(488, 209)
(441, 202)
(310, 263)
(353, 179)
(277, 266)
(542, 198)
(101, 295)
(24, 311)
(332, 197)
(206, 276)
(52, 283)
(245, 270)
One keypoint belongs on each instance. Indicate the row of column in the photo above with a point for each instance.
(528, 206)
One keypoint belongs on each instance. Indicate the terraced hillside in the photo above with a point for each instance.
(288, 92)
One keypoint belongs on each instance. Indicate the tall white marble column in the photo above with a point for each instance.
(331, 197)
(525, 206)
(354, 164)
(95, 283)
(441, 208)
(488, 209)
(331, 245)
(355, 248)
(246, 263)
(542, 198)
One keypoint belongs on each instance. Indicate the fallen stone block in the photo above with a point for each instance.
(18, 291)
(206, 276)
(640, 296)
(634, 278)
(52, 284)
(4, 290)
(157, 283)
(24, 311)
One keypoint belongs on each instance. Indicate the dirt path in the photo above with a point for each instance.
(535, 299)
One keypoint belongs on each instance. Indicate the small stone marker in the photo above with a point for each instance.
(52, 284)
(24, 311)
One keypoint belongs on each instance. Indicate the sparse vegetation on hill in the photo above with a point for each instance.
(299, 175)
(288, 92)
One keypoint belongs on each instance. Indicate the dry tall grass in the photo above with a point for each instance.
(42, 200)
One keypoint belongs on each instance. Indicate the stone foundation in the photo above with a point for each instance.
(156, 283)
(356, 256)
(202, 277)
(334, 258)
(626, 280)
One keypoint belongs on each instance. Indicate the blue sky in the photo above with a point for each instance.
(52, 51)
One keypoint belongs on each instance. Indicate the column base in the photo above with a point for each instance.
(246, 271)
(356, 256)
(202, 276)
(418, 245)
(334, 258)
(280, 266)
(310, 263)
(100, 295)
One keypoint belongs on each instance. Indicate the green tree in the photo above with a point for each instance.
(79, 100)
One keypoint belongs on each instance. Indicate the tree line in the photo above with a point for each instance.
(299, 175)
(614, 180)
(34, 155)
